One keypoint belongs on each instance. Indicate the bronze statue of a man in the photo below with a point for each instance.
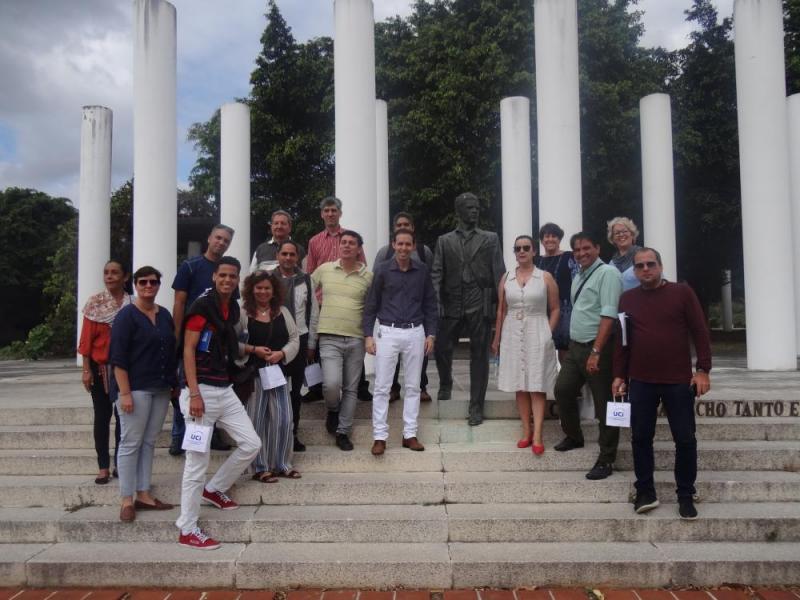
(467, 267)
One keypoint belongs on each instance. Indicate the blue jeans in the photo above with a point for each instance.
(140, 430)
(678, 402)
(178, 424)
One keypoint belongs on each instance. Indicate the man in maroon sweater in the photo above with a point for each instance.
(656, 363)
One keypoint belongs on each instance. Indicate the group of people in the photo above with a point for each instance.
(570, 307)
(211, 355)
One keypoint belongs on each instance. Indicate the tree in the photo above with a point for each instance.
(791, 25)
(707, 154)
(29, 225)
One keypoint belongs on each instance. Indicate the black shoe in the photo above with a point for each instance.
(115, 473)
(600, 470)
(310, 396)
(332, 422)
(686, 509)
(394, 394)
(175, 448)
(445, 393)
(299, 446)
(343, 442)
(567, 444)
(364, 394)
(645, 502)
(475, 421)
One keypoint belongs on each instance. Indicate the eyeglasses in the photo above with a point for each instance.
(620, 233)
(650, 264)
(523, 248)
(146, 282)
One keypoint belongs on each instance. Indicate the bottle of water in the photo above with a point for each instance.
(494, 366)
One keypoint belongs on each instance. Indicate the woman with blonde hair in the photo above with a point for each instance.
(623, 233)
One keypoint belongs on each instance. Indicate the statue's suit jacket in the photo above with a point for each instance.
(486, 262)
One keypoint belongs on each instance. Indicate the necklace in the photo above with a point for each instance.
(262, 313)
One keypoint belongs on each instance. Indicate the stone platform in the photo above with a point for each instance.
(470, 511)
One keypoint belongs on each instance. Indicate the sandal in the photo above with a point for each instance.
(265, 477)
(102, 480)
(291, 474)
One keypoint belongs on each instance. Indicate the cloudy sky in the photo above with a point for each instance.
(59, 55)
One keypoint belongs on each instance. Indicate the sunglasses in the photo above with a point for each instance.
(650, 264)
(523, 248)
(146, 282)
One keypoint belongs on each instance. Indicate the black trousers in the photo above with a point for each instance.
(678, 401)
(479, 329)
(296, 371)
(570, 380)
(103, 409)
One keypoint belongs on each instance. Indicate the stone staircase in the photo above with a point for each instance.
(472, 510)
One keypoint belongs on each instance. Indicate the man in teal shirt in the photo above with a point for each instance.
(595, 298)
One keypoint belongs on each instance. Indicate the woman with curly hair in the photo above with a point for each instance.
(271, 339)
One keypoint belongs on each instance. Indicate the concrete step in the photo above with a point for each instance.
(712, 455)
(571, 486)
(437, 566)
(617, 563)
(432, 431)
(76, 491)
(566, 522)
(353, 523)
(499, 405)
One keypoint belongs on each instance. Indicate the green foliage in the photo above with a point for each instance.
(708, 198)
(791, 25)
(122, 223)
(29, 222)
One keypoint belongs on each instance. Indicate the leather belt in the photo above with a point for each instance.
(406, 325)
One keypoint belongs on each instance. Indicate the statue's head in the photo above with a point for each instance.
(468, 208)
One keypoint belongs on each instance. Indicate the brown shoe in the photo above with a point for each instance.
(127, 513)
(412, 443)
(424, 396)
(157, 505)
(378, 447)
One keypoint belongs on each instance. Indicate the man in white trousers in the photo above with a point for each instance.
(210, 343)
(403, 301)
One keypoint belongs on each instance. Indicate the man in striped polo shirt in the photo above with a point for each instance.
(344, 284)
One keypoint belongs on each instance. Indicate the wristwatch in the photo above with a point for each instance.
(595, 350)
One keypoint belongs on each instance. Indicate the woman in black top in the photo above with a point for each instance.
(271, 338)
(562, 266)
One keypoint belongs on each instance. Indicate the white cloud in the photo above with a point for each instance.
(58, 55)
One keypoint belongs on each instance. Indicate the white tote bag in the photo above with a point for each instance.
(197, 437)
(618, 414)
(271, 377)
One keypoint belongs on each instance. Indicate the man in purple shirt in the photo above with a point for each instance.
(656, 362)
(402, 298)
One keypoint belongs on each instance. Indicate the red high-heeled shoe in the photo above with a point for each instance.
(537, 449)
(524, 443)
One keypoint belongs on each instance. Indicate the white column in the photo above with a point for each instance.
(94, 217)
(382, 156)
(235, 178)
(793, 103)
(658, 183)
(558, 114)
(515, 160)
(354, 83)
(155, 203)
(727, 301)
(764, 170)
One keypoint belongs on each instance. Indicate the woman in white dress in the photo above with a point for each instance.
(524, 339)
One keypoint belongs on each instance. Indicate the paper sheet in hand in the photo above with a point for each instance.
(271, 377)
(313, 374)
